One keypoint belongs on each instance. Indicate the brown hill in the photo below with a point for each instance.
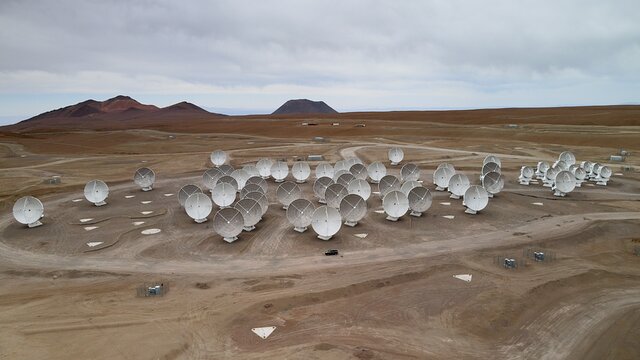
(304, 106)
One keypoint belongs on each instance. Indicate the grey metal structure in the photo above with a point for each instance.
(419, 200)
(300, 213)
(395, 205)
(352, 209)
(228, 223)
(287, 192)
(185, 191)
(320, 187)
(144, 177)
(28, 210)
(96, 191)
(198, 206)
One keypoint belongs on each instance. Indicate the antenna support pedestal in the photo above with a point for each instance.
(147, 188)
(200, 221)
(300, 229)
(392, 218)
(469, 211)
(325, 238)
(415, 213)
(101, 203)
(230, 239)
(35, 224)
(454, 196)
(351, 223)
(248, 228)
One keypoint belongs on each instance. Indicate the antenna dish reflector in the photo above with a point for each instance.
(565, 182)
(218, 157)
(604, 173)
(279, 171)
(145, 177)
(326, 222)
(493, 159)
(300, 171)
(341, 165)
(352, 209)
(359, 171)
(560, 164)
(345, 179)
(408, 185)
(489, 167)
(287, 192)
(395, 155)
(542, 167)
(447, 165)
(320, 187)
(300, 214)
(96, 191)
(250, 188)
(476, 198)
(493, 182)
(261, 199)
(324, 169)
(334, 195)
(442, 176)
(587, 166)
(388, 183)
(567, 157)
(360, 187)
(28, 210)
(210, 178)
(252, 170)
(251, 212)
(257, 180)
(376, 171)
(264, 167)
(224, 194)
(526, 174)
(228, 223)
(241, 177)
(337, 174)
(227, 179)
(419, 200)
(395, 205)
(198, 206)
(185, 191)
(226, 169)
(410, 172)
(550, 176)
(458, 184)
(580, 174)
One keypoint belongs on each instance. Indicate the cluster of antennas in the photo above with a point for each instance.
(565, 174)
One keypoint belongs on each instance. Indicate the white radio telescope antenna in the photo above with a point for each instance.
(395, 155)
(300, 171)
(224, 194)
(489, 167)
(341, 165)
(493, 159)
(408, 185)
(264, 167)
(227, 179)
(198, 206)
(28, 210)
(458, 184)
(185, 191)
(251, 170)
(261, 199)
(144, 177)
(388, 183)
(604, 174)
(580, 175)
(337, 174)
(300, 214)
(395, 204)
(550, 177)
(320, 187)
(560, 164)
(447, 165)
(419, 200)
(228, 223)
(567, 157)
(352, 209)
(476, 198)
(279, 171)
(542, 167)
(210, 178)
(241, 177)
(359, 171)
(493, 182)
(441, 177)
(326, 222)
(250, 188)
(287, 192)
(218, 157)
(410, 172)
(257, 180)
(96, 191)
(334, 194)
(376, 171)
(324, 169)
(345, 179)
(226, 169)
(360, 187)
(251, 212)
(565, 182)
(526, 173)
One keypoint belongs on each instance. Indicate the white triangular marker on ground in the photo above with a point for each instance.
(445, 203)
(136, 223)
(129, 196)
(264, 332)
(146, 202)
(76, 200)
(376, 192)
(361, 236)
(450, 217)
(94, 243)
(379, 211)
(591, 184)
(464, 277)
(167, 195)
(538, 203)
(618, 174)
(85, 220)
(89, 228)
(146, 212)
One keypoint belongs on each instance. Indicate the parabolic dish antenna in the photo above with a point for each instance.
(326, 222)
(251, 213)
(227, 179)
(447, 165)
(252, 170)
(341, 165)
(352, 161)
(543, 166)
(476, 198)
(261, 199)
(250, 188)
(550, 177)
(300, 171)
(441, 177)
(360, 187)
(287, 192)
(300, 213)
(334, 195)
(241, 177)
(395, 155)
(210, 178)
(493, 159)
(595, 170)
(352, 209)
(573, 167)
(337, 174)
(564, 184)
(28, 210)
(567, 157)
(279, 171)
(185, 191)
(228, 223)
(580, 174)
(560, 164)
(224, 194)
(345, 179)
(493, 182)
(458, 184)
(604, 174)
(408, 185)
(324, 169)
(264, 167)
(198, 206)
(587, 166)
(489, 167)
(388, 183)
(96, 191)
(226, 169)
(359, 171)
(257, 180)
(419, 200)
(144, 177)
(526, 173)
(395, 204)
(218, 157)
(320, 187)
(410, 172)
(376, 171)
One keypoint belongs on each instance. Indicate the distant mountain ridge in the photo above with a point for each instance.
(304, 106)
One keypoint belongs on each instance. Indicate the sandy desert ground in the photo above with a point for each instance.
(391, 295)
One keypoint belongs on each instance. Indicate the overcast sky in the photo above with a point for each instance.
(246, 56)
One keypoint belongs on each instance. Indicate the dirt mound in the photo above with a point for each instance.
(304, 106)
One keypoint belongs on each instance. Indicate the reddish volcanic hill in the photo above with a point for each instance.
(304, 106)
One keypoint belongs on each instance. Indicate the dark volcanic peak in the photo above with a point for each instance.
(92, 107)
(304, 106)
(184, 105)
